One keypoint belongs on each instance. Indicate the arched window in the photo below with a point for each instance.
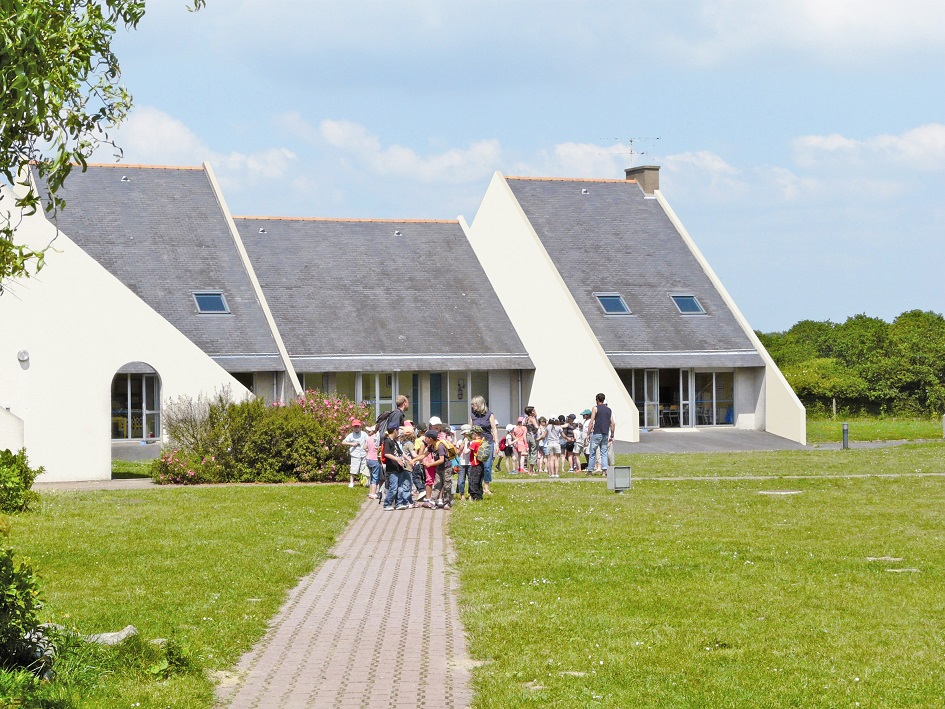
(136, 402)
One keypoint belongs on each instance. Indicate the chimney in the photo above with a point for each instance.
(647, 176)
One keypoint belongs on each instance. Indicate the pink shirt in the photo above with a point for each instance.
(371, 447)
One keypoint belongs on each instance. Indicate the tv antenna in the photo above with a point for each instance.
(633, 151)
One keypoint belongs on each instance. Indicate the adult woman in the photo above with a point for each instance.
(482, 417)
(531, 437)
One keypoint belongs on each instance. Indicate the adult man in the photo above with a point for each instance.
(602, 434)
(396, 418)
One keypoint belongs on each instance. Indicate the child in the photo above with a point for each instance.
(542, 429)
(520, 443)
(373, 466)
(508, 450)
(578, 446)
(464, 465)
(476, 470)
(357, 442)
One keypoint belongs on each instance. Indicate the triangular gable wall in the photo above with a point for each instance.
(79, 325)
(571, 370)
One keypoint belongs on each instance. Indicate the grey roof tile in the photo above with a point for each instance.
(613, 240)
(353, 295)
(163, 234)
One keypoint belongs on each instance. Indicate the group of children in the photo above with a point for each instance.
(407, 471)
(535, 445)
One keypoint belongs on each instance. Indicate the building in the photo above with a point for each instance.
(560, 288)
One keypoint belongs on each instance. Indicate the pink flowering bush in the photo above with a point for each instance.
(222, 441)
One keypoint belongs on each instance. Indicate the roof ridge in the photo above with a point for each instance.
(351, 219)
(565, 179)
(143, 167)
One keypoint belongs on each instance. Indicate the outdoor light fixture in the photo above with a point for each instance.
(398, 232)
(262, 231)
(125, 178)
(618, 478)
(584, 191)
(23, 356)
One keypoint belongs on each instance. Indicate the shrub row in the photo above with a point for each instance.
(218, 440)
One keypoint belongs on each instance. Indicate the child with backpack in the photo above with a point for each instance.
(476, 469)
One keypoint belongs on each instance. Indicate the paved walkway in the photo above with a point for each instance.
(347, 637)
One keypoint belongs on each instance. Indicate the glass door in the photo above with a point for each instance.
(685, 397)
(651, 398)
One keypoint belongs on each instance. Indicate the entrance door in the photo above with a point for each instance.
(685, 397)
(651, 398)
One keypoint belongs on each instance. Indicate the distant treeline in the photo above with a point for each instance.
(865, 365)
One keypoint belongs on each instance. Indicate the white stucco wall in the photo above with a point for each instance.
(783, 414)
(567, 377)
(80, 325)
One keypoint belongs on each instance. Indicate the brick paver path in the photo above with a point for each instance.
(377, 625)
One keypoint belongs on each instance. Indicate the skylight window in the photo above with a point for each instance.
(688, 305)
(612, 303)
(211, 302)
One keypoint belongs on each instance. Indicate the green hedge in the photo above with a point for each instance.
(219, 441)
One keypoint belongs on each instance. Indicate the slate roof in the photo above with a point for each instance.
(614, 240)
(353, 295)
(163, 234)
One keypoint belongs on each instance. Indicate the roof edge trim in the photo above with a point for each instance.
(569, 179)
(339, 219)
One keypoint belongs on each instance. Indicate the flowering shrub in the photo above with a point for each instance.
(221, 441)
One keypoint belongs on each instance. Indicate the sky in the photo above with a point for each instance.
(801, 143)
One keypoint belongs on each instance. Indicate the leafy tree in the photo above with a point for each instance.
(59, 98)
(825, 378)
(917, 341)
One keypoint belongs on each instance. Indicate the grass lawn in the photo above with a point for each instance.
(709, 594)
(126, 469)
(873, 429)
(206, 567)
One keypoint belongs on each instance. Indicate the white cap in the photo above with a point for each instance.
(509, 427)
(435, 421)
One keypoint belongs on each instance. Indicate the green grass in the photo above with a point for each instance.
(873, 429)
(129, 469)
(709, 594)
(206, 567)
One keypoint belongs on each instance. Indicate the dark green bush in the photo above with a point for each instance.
(16, 479)
(218, 441)
(20, 604)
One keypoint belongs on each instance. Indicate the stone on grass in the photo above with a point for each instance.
(113, 638)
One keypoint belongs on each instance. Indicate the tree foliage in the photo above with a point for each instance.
(866, 363)
(59, 98)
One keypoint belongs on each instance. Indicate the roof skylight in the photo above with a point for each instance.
(211, 302)
(688, 304)
(612, 303)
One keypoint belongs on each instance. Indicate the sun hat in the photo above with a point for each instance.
(355, 422)
(477, 429)
(586, 412)
(509, 427)
(431, 434)
(407, 430)
(571, 417)
(435, 421)
(521, 419)
(465, 428)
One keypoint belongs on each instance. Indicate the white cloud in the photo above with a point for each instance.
(922, 148)
(354, 141)
(843, 31)
(150, 136)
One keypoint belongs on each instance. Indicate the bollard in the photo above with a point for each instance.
(846, 436)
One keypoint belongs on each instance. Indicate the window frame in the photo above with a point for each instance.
(623, 302)
(226, 307)
(700, 312)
